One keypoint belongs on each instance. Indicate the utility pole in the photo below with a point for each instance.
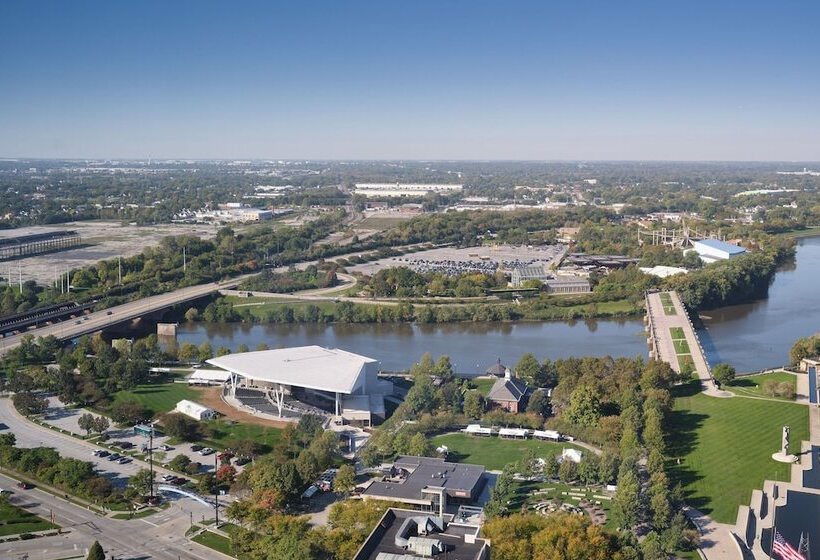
(216, 491)
(184, 261)
(119, 270)
(151, 460)
(20, 275)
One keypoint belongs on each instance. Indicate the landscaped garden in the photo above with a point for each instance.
(493, 452)
(546, 497)
(720, 448)
(214, 541)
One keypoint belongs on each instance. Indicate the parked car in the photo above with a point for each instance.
(165, 447)
(114, 456)
(124, 444)
(124, 460)
(206, 451)
(101, 453)
(196, 447)
(167, 477)
(242, 461)
(109, 312)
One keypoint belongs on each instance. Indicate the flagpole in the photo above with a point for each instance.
(774, 522)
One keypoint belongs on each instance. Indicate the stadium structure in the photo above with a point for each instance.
(289, 382)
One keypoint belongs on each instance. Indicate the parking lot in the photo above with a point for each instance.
(485, 258)
(64, 418)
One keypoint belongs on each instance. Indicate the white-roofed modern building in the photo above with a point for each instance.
(307, 379)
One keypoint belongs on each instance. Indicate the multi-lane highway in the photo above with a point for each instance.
(98, 320)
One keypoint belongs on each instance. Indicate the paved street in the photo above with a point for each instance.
(159, 536)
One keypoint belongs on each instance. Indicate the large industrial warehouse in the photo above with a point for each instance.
(289, 382)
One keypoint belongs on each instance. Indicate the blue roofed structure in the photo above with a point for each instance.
(711, 250)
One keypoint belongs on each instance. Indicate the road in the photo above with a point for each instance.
(160, 536)
(118, 314)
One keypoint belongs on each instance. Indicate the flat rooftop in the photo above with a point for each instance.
(382, 539)
(459, 480)
(312, 367)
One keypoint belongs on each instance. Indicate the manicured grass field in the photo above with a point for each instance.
(214, 541)
(482, 385)
(752, 385)
(668, 306)
(159, 397)
(725, 447)
(684, 359)
(677, 333)
(494, 452)
(14, 521)
(681, 346)
(224, 432)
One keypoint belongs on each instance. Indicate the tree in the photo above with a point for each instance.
(529, 369)
(101, 424)
(723, 374)
(567, 471)
(86, 423)
(96, 552)
(129, 412)
(473, 404)
(188, 352)
(192, 314)
(419, 445)
(626, 504)
(142, 481)
(345, 480)
(584, 407)
(180, 426)
(539, 403)
(30, 404)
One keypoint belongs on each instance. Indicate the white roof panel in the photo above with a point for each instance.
(313, 367)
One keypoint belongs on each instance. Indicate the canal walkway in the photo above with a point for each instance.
(672, 338)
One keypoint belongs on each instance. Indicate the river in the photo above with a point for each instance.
(751, 337)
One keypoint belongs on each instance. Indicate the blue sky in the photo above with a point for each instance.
(472, 79)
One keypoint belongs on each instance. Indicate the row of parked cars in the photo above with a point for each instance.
(173, 480)
(114, 457)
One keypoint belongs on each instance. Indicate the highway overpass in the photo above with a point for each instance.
(100, 320)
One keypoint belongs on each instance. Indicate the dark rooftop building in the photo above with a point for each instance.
(497, 369)
(408, 535)
(509, 393)
(428, 483)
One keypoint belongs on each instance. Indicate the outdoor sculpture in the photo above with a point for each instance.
(783, 455)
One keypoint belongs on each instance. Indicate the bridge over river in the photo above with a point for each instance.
(672, 337)
(105, 318)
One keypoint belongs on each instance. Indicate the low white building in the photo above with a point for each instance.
(662, 271)
(195, 410)
(404, 189)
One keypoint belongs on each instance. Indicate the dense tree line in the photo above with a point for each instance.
(293, 280)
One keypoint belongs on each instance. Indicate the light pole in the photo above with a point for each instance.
(151, 462)
(216, 491)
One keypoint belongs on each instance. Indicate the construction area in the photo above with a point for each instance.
(100, 240)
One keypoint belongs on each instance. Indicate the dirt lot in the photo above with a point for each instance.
(210, 397)
(102, 240)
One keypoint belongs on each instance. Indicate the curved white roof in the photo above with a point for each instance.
(313, 367)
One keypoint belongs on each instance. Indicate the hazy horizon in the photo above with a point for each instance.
(435, 81)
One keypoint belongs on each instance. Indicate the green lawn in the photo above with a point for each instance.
(681, 347)
(494, 452)
(223, 432)
(725, 447)
(214, 541)
(668, 306)
(752, 385)
(684, 359)
(160, 396)
(677, 333)
(483, 385)
(14, 521)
